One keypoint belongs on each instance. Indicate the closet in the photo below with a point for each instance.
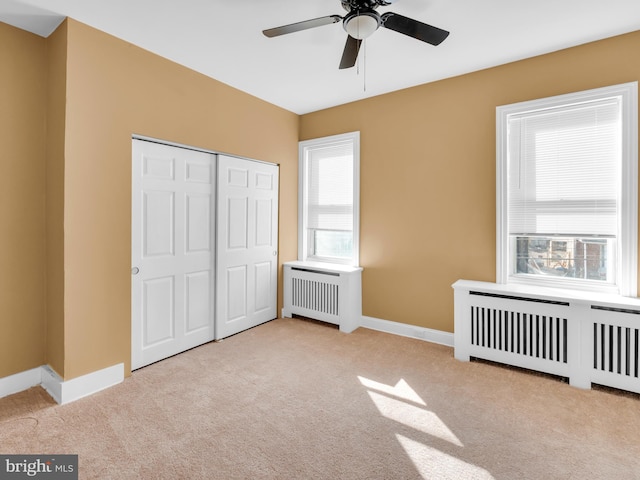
(204, 247)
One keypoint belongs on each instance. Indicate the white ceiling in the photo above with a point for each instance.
(299, 71)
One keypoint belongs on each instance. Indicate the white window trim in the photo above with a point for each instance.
(303, 146)
(628, 230)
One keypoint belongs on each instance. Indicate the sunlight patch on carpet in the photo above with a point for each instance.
(414, 417)
(433, 464)
(402, 404)
(400, 390)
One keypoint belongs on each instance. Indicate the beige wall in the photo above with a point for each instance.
(428, 173)
(56, 102)
(22, 200)
(115, 90)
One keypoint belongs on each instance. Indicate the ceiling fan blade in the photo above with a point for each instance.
(350, 53)
(296, 27)
(414, 28)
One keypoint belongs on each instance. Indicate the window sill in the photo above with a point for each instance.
(323, 266)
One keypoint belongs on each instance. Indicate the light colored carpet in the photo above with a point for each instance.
(297, 399)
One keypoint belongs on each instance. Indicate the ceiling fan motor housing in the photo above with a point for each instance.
(361, 23)
(350, 5)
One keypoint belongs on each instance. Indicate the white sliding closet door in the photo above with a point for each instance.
(173, 225)
(247, 244)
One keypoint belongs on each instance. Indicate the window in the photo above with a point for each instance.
(329, 199)
(567, 191)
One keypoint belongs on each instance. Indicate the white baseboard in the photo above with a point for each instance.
(20, 381)
(406, 330)
(52, 383)
(62, 391)
(77, 388)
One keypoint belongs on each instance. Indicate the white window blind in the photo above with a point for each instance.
(564, 170)
(330, 194)
(328, 223)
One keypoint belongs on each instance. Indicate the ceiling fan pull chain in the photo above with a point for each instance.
(364, 67)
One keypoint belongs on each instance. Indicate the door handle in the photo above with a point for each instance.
(135, 271)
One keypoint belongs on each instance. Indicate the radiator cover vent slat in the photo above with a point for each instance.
(615, 349)
(615, 309)
(532, 335)
(520, 299)
(315, 272)
(314, 295)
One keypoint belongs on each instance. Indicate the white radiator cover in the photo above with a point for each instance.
(328, 292)
(586, 337)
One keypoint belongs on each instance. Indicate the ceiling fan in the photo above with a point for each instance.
(360, 22)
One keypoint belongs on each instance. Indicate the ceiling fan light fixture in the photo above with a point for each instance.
(360, 24)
